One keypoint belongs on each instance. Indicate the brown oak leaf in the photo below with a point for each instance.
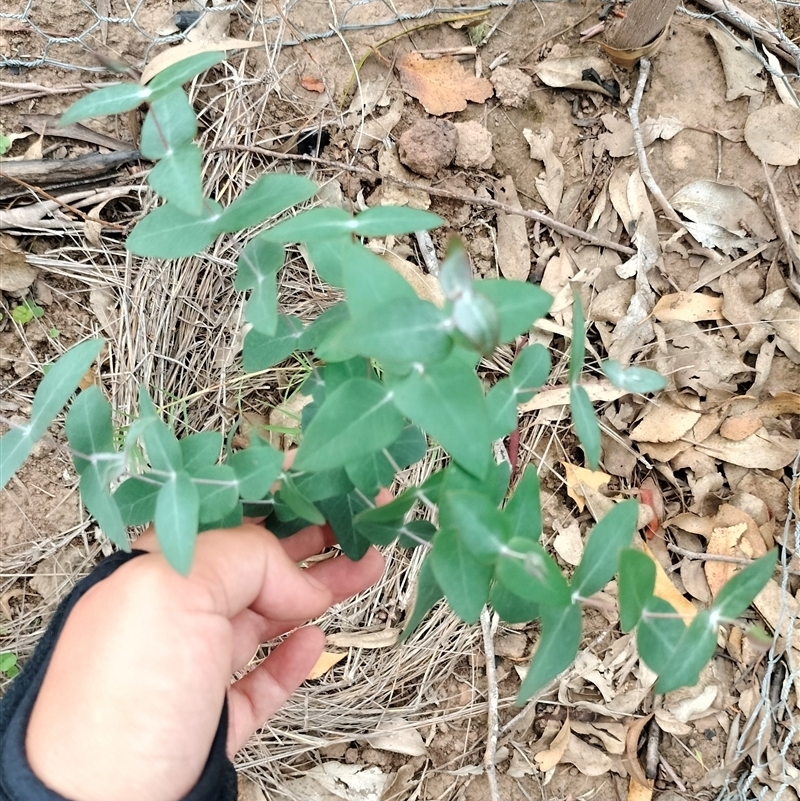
(441, 84)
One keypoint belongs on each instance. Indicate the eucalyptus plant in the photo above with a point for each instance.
(390, 373)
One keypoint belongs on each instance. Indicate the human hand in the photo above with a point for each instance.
(133, 694)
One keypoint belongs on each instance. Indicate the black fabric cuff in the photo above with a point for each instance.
(17, 780)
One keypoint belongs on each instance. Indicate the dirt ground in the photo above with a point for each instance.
(716, 309)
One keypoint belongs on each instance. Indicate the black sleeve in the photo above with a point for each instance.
(17, 781)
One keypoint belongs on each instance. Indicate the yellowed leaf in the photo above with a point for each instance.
(327, 659)
(688, 306)
(577, 477)
(441, 84)
(548, 759)
(723, 542)
(639, 792)
(668, 592)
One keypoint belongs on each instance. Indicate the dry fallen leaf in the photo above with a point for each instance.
(590, 761)
(399, 737)
(744, 73)
(327, 659)
(638, 791)
(598, 391)
(312, 83)
(667, 591)
(364, 639)
(690, 306)
(760, 451)
(567, 73)
(723, 542)
(664, 422)
(634, 729)
(739, 426)
(425, 285)
(725, 206)
(577, 477)
(15, 272)
(551, 187)
(568, 543)
(618, 139)
(773, 134)
(548, 759)
(441, 84)
(513, 247)
(166, 58)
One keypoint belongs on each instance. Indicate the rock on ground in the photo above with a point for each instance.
(474, 147)
(428, 146)
(511, 86)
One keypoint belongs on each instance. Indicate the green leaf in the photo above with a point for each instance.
(416, 533)
(402, 330)
(510, 607)
(476, 318)
(613, 532)
(200, 450)
(691, 655)
(61, 379)
(377, 469)
(371, 283)
(356, 419)
(257, 469)
(231, 520)
(161, 445)
(110, 100)
(428, 594)
(53, 392)
(178, 74)
(577, 349)
(170, 123)
(177, 520)
(739, 592)
(405, 501)
(299, 503)
(494, 485)
(523, 511)
(446, 400)
(257, 261)
(267, 196)
(260, 351)
(558, 646)
(218, 490)
(394, 220)
(178, 179)
(529, 571)
(328, 256)
(585, 422)
(322, 325)
(529, 371)
(322, 485)
(96, 496)
(480, 525)
(518, 304)
(168, 232)
(633, 379)
(136, 499)
(501, 404)
(464, 580)
(340, 513)
(315, 225)
(455, 273)
(658, 637)
(89, 429)
(637, 580)
(261, 310)
(334, 375)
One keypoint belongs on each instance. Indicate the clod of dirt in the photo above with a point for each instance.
(512, 86)
(474, 147)
(428, 146)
